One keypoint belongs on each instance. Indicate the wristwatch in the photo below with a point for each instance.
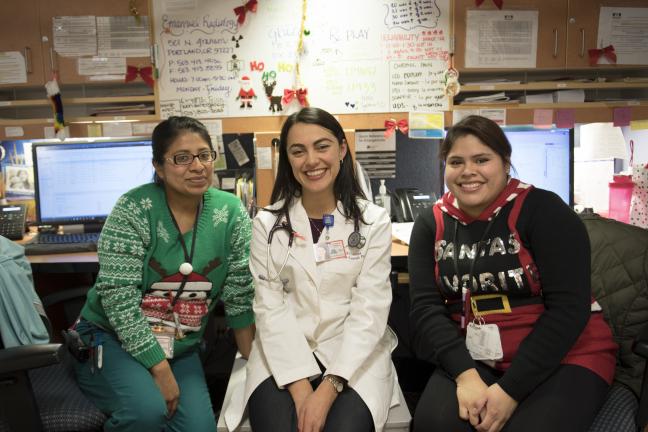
(336, 381)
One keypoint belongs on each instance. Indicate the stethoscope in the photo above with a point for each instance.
(355, 240)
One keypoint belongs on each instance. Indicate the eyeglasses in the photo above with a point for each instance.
(205, 157)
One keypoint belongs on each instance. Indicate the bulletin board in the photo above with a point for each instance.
(348, 57)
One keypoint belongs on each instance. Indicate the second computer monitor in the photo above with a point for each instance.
(79, 182)
(544, 158)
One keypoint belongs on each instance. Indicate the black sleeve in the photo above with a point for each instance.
(559, 244)
(436, 337)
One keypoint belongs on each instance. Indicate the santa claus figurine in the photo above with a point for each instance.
(246, 93)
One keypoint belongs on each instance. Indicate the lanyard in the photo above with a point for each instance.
(185, 267)
(465, 291)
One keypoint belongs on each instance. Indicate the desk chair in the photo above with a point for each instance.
(620, 285)
(38, 389)
(397, 421)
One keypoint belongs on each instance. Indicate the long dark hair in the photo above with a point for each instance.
(167, 131)
(346, 188)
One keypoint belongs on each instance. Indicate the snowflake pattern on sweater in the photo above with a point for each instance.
(139, 231)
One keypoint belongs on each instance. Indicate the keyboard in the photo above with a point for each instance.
(45, 238)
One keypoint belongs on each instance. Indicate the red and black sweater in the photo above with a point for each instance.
(551, 322)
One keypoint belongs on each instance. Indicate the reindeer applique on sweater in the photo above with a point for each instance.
(162, 307)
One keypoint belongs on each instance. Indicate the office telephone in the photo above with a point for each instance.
(410, 202)
(12, 221)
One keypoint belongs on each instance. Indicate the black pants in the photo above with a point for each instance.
(567, 401)
(273, 410)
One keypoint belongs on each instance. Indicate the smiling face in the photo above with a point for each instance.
(185, 181)
(314, 154)
(475, 174)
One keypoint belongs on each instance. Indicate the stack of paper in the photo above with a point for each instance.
(491, 82)
(402, 231)
(537, 98)
(124, 110)
(492, 98)
(569, 96)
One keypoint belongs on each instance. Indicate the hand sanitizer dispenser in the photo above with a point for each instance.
(383, 199)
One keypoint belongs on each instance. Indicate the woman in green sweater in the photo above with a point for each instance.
(168, 251)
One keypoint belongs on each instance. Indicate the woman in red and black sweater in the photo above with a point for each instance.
(501, 299)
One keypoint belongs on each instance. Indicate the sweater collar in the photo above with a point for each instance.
(450, 205)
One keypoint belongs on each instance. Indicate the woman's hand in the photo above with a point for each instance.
(315, 408)
(244, 337)
(499, 408)
(471, 395)
(163, 377)
(299, 391)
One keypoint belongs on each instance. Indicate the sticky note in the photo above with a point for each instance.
(622, 116)
(542, 118)
(565, 118)
(639, 125)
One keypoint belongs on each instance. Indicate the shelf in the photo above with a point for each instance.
(556, 105)
(548, 85)
(79, 101)
(86, 119)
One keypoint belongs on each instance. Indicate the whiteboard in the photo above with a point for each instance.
(359, 56)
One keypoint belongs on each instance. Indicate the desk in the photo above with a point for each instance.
(76, 262)
(88, 261)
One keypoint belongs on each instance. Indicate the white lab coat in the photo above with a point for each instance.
(335, 309)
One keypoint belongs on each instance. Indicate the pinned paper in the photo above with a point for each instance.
(14, 131)
(542, 118)
(264, 157)
(638, 125)
(460, 114)
(622, 116)
(565, 118)
(117, 129)
(498, 115)
(143, 129)
(238, 152)
(426, 125)
(228, 183)
(49, 132)
(94, 130)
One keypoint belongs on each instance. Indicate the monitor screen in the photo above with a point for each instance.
(79, 182)
(544, 158)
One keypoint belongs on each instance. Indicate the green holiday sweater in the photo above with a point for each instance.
(139, 246)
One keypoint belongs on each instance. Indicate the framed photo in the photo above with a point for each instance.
(19, 179)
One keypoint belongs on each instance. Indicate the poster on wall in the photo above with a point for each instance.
(626, 29)
(501, 38)
(346, 57)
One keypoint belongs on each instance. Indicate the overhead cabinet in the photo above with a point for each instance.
(566, 30)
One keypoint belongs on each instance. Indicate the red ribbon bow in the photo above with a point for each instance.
(145, 72)
(290, 94)
(391, 125)
(498, 3)
(607, 52)
(242, 10)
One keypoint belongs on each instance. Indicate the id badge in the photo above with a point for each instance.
(483, 342)
(166, 343)
(336, 249)
(329, 251)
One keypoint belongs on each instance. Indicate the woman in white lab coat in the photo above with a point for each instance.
(321, 359)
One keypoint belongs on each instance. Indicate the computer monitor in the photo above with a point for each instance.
(79, 182)
(544, 158)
